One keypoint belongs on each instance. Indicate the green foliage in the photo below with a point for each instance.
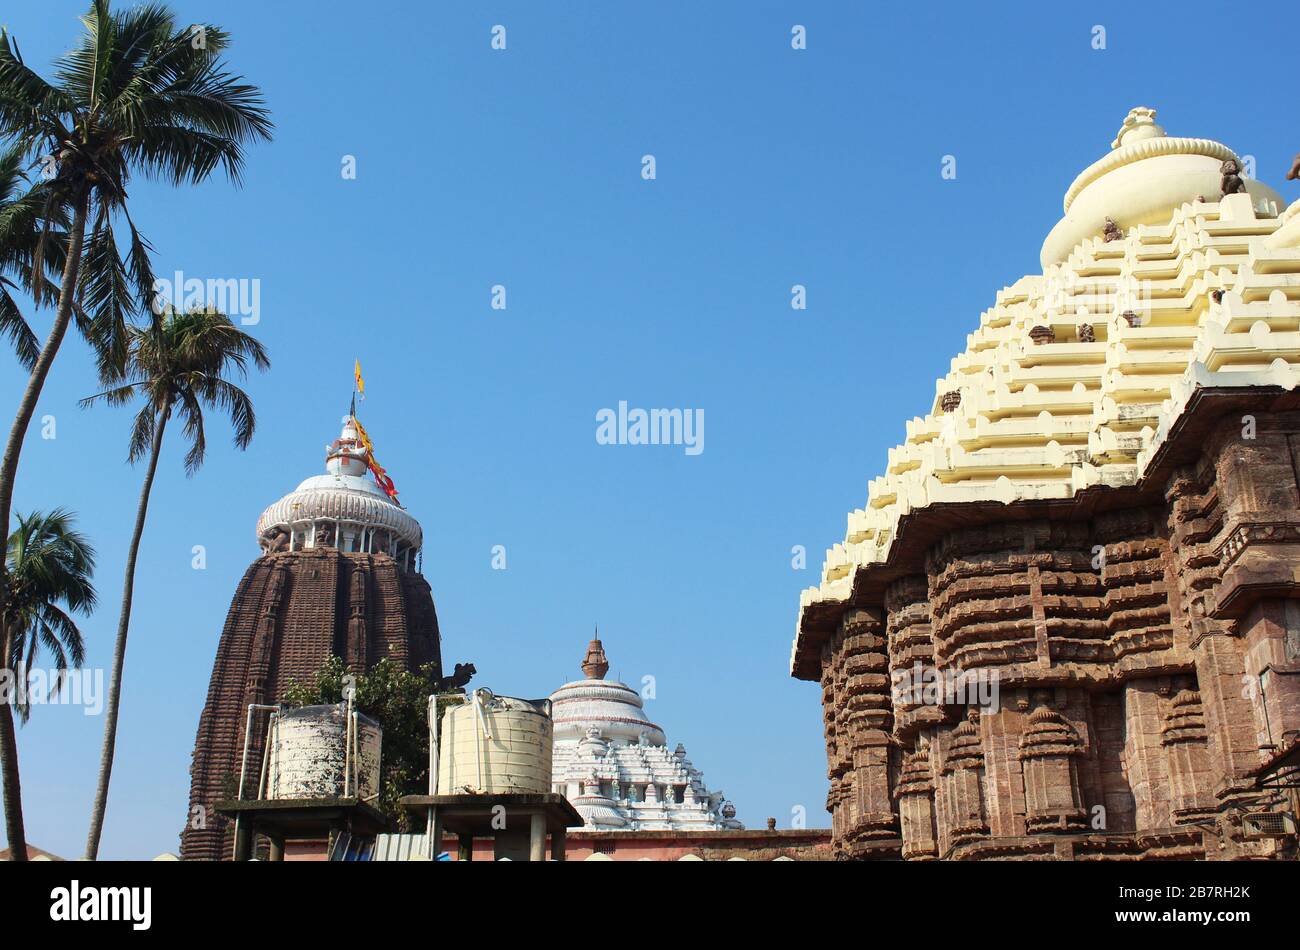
(48, 563)
(138, 93)
(180, 362)
(398, 700)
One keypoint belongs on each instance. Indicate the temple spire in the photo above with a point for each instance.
(594, 664)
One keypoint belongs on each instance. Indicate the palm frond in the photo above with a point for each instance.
(49, 563)
(16, 328)
(107, 297)
(192, 412)
(141, 434)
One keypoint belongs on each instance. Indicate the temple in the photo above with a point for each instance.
(338, 575)
(1066, 624)
(613, 763)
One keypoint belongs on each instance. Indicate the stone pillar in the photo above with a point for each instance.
(358, 641)
(259, 661)
(537, 836)
(915, 795)
(962, 777)
(1185, 742)
(1195, 521)
(1003, 774)
(1144, 757)
(833, 716)
(1048, 752)
(911, 658)
(869, 720)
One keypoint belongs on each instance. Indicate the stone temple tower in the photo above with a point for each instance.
(1065, 624)
(338, 574)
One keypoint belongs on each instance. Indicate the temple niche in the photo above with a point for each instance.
(1097, 523)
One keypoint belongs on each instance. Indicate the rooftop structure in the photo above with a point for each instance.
(1099, 518)
(345, 508)
(614, 764)
(338, 575)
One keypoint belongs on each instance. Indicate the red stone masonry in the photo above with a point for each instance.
(291, 611)
(1145, 644)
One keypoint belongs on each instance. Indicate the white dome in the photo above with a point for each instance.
(1144, 177)
(615, 766)
(607, 705)
(345, 502)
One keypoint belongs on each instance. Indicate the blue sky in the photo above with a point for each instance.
(522, 168)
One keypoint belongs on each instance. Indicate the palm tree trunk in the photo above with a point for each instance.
(13, 795)
(8, 472)
(119, 651)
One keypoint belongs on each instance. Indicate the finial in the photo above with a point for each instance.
(594, 664)
(1140, 123)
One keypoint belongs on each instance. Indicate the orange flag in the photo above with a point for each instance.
(381, 476)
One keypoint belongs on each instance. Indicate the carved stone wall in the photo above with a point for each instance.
(291, 611)
(1143, 648)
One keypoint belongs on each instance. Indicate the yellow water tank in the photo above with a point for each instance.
(495, 745)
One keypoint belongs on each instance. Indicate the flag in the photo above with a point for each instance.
(377, 470)
(361, 383)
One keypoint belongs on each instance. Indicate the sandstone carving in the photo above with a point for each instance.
(1113, 545)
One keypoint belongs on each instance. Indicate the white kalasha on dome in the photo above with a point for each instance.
(343, 509)
(614, 765)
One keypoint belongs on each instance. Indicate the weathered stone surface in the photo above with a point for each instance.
(292, 610)
(1145, 666)
(1099, 515)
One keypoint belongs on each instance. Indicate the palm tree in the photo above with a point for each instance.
(177, 364)
(49, 563)
(21, 230)
(138, 93)
(15, 234)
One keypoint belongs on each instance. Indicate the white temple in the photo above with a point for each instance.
(614, 765)
(344, 508)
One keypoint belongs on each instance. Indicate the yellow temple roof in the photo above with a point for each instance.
(1074, 378)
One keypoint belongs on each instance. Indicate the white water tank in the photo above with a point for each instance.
(494, 745)
(309, 750)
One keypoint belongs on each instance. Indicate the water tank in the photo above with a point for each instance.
(495, 745)
(309, 749)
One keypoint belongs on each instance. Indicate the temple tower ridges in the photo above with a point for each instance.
(337, 576)
(1097, 523)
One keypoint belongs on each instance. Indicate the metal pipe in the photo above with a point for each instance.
(433, 776)
(379, 770)
(243, 768)
(483, 732)
(433, 745)
(347, 749)
(264, 780)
